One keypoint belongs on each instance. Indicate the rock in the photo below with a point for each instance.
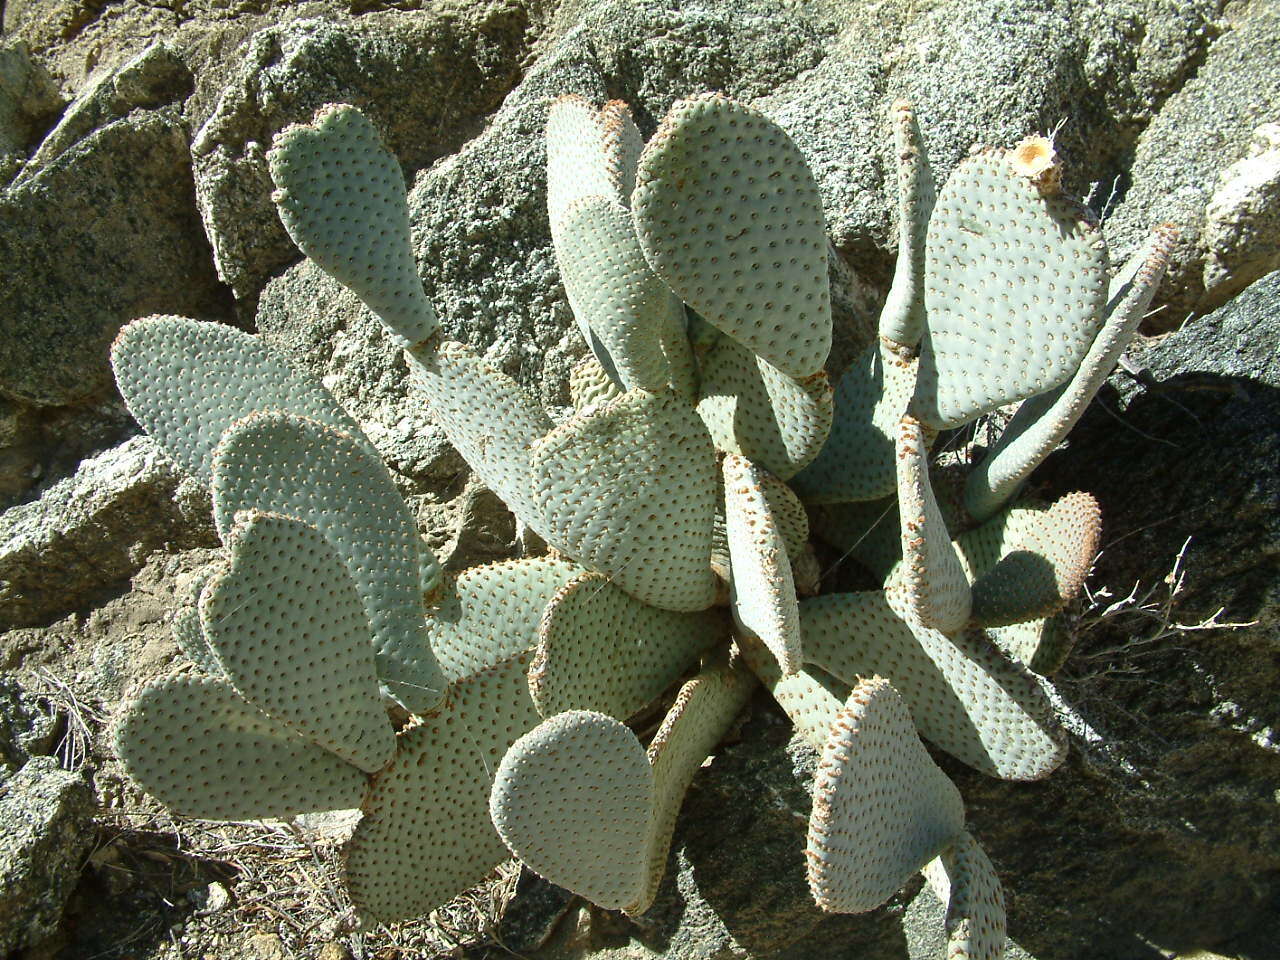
(1203, 128)
(104, 233)
(44, 834)
(1242, 220)
(29, 101)
(425, 79)
(27, 726)
(93, 530)
(151, 79)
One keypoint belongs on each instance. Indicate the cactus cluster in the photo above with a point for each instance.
(474, 716)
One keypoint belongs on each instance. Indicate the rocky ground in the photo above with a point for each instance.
(132, 181)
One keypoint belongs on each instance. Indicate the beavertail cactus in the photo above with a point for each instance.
(471, 715)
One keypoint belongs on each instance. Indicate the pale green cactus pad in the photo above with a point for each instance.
(341, 196)
(753, 409)
(763, 593)
(188, 633)
(1043, 644)
(646, 514)
(965, 696)
(572, 799)
(1043, 421)
(426, 834)
(186, 381)
(963, 878)
(902, 321)
(491, 613)
(702, 713)
(857, 462)
(601, 649)
(1016, 282)
(1030, 560)
(489, 420)
(288, 628)
(589, 383)
(864, 843)
(931, 580)
(197, 747)
(614, 293)
(729, 216)
(590, 152)
(283, 464)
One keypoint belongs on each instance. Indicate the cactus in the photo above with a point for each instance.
(472, 715)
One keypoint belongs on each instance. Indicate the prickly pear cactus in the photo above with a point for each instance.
(336, 666)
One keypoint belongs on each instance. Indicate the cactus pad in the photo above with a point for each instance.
(601, 649)
(589, 152)
(488, 418)
(903, 319)
(426, 834)
(283, 464)
(645, 518)
(729, 216)
(590, 383)
(809, 697)
(857, 462)
(763, 591)
(963, 879)
(291, 635)
(572, 800)
(965, 696)
(1042, 421)
(188, 633)
(186, 381)
(881, 807)
(755, 410)
(197, 747)
(341, 196)
(931, 578)
(491, 613)
(1015, 285)
(613, 291)
(1029, 561)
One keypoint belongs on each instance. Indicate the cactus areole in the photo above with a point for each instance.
(677, 499)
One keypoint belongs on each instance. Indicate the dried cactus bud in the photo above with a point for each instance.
(1036, 159)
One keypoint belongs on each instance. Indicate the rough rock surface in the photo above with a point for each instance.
(103, 233)
(92, 531)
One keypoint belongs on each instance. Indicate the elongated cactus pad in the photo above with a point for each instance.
(341, 196)
(881, 807)
(702, 713)
(589, 152)
(1042, 421)
(426, 834)
(613, 291)
(282, 464)
(491, 613)
(487, 417)
(1029, 561)
(188, 633)
(763, 593)
(292, 637)
(964, 879)
(197, 747)
(788, 513)
(645, 514)
(902, 321)
(931, 579)
(857, 462)
(729, 216)
(965, 696)
(186, 381)
(1016, 282)
(753, 409)
(572, 799)
(601, 649)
